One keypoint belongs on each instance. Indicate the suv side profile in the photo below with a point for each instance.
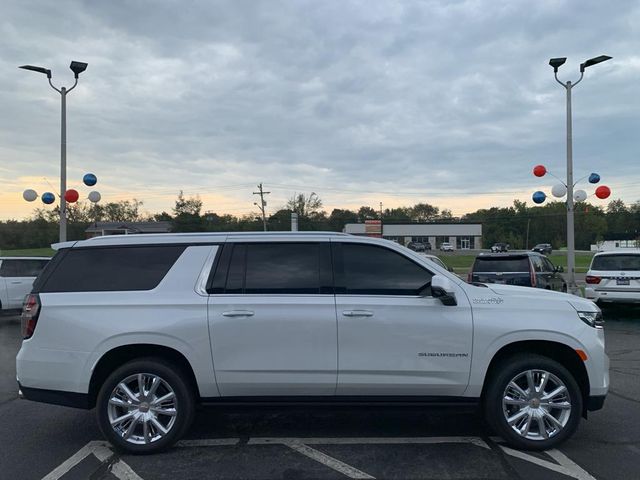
(175, 320)
(16, 278)
(523, 269)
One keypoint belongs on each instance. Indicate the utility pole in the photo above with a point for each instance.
(527, 244)
(262, 205)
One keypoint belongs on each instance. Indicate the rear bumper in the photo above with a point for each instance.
(609, 296)
(55, 397)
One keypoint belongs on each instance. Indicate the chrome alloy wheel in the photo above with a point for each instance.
(142, 408)
(536, 404)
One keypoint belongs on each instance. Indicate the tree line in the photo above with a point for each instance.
(520, 225)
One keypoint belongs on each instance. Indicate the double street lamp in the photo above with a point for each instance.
(556, 63)
(77, 68)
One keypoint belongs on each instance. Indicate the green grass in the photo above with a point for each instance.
(30, 252)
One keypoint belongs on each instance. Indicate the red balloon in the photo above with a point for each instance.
(603, 192)
(539, 170)
(71, 195)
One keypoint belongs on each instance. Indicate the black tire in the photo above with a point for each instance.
(495, 412)
(174, 379)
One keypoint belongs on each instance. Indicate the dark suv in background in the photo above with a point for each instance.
(419, 246)
(529, 269)
(544, 248)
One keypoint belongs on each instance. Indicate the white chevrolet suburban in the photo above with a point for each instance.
(144, 327)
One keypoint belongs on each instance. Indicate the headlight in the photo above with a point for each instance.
(593, 319)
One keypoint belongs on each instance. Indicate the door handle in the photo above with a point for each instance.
(16, 283)
(357, 313)
(238, 313)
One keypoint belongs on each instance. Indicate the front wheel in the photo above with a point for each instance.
(533, 402)
(145, 406)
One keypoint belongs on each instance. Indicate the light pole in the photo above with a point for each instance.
(77, 68)
(571, 251)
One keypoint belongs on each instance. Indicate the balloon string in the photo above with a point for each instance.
(52, 187)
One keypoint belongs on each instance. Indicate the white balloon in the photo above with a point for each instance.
(559, 190)
(579, 195)
(94, 196)
(29, 195)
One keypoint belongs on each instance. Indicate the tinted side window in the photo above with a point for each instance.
(30, 268)
(538, 264)
(283, 268)
(112, 269)
(549, 267)
(8, 268)
(373, 270)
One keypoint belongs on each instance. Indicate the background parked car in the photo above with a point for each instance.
(419, 246)
(527, 269)
(446, 247)
(16, 278)
(544, 248)
(499, 247)
(614, 277)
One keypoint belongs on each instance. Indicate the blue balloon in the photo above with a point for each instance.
(539, 197)
(594, 178)
(90, 179)
(48, 198)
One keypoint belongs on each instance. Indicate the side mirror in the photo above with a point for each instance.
(559, 268)
(443, 289)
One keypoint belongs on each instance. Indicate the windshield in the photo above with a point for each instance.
(493, 264)
(616, 262)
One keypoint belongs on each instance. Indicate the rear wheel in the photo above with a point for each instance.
(145, 406)
(533, 402)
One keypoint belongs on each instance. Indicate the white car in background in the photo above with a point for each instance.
(614, 277)
(446, 247)
(16, 278)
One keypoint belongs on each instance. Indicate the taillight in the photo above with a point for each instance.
(593, 280)
(30, 312)
(533, 275)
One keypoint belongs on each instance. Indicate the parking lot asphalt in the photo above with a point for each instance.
(45, 441)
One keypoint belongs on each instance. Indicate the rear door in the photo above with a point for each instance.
(272, 319)
(394, 337)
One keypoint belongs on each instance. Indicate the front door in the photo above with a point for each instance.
(272, 320)
(394, 337)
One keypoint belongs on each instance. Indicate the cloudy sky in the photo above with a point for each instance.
(446, 102)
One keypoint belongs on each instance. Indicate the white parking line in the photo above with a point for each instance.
(103, 453)
(566, 466)
(370, 441)
(330, 462)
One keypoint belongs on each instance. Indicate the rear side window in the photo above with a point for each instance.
(274, 268)
(616, 262)
(8, 269)
(373, 270)
(111, 269)
(505, 264)
(30, 268)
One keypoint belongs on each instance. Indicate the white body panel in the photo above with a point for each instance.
(408, 346)
(286, 345)
(615, 286)
(77, 329)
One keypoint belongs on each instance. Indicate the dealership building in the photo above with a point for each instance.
(463, 236)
